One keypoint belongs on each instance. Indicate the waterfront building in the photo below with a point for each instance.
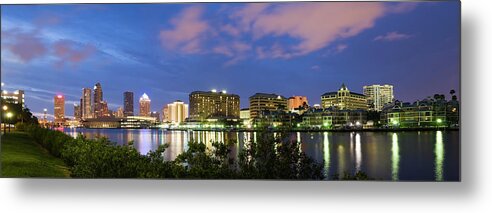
(86, 103)
(103, 108)
(15, 97)
(424, 113)
(260, 102)
(144, 106)
(213, 105)
(155, 115)
(165, 114)
(245, 117)
(276, 119)
(296, 102)
(103, 122)
(138, 122)
(177, 112)
(77, 112)
(128, 103)
(378, 96)
(98, 98)
(333, 118)
(59, 109)
(344, 99)
(119, 113)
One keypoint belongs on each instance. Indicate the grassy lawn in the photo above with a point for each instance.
(22, 157)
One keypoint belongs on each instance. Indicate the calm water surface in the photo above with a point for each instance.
(412, 156)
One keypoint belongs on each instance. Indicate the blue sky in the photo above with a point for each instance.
(170, 50)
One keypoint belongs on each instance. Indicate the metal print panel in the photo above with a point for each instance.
(285, 91)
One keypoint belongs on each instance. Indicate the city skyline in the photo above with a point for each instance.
(418, 59)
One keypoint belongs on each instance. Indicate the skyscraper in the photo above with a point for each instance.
(86, 103)
(378, 95)
(59, 109)
(128, 103)
(77, 112)
(165, 114)
(177, 112)
(98, 98)
(144, 105)
(205, 105)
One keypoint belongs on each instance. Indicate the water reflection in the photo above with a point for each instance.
(358, 153)
(371, 152)
(439, 152)
(395, 157)
(326, 154)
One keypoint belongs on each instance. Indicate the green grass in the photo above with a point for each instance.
(20, 156)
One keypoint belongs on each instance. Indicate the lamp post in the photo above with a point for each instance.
(4, 110)
(9, 115)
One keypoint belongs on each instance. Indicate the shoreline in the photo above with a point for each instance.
(300, 130)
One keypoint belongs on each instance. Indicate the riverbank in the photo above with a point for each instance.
(20, 156)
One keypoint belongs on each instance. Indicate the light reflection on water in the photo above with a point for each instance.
(439, 156)
(382, 155)
(395, 157)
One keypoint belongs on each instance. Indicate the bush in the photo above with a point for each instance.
(270, 158)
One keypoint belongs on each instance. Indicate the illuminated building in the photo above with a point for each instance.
(177, 112)
(59, 109)
(344, 99)
(128, 103)
(15, 97)
(330, 118)
(137, 122)
(98, 98)
(155, 115)
(296, 102)
(77, 112)
(103, 109)
(86, 103)
(378, 96)
(427, 112)
(144, 105)
(260, 102)
(165, 114)
(120, 113)
(213, 105)
(103, 122)
(245, 117)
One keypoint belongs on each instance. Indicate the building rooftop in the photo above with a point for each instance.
(268, 95)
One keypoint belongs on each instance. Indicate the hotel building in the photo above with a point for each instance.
(177, 112)
(344, 99)
(213, 105)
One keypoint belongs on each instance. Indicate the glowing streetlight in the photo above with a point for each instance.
(5, 107)
(9, 115)
(214, 90)
(325, 124)
(439, 120)
(298, 125)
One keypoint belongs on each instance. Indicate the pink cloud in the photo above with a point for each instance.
(392, 36)
(341, 47)
(231, 30)
(25, 45)
(70, 52)
(187, 31)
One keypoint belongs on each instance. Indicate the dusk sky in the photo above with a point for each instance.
(170, 50)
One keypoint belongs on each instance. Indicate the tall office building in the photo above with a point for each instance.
(104, 110)
(144, 105)
(98, 98)
(59, 109)
(15, 97)
(213, 104)
(77, 112)
(261, 102)
(177, 112)
(344, 99)
(128, 103)
(378, 95)
(120, 113)
(86, 103)
(295, 102)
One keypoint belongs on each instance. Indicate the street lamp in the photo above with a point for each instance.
(9, 115)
